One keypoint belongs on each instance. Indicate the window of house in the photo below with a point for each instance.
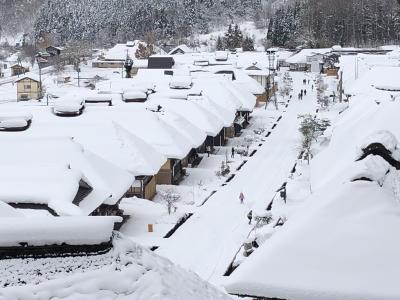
(27, 86)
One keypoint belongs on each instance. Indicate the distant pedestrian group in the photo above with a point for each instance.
(302, 93)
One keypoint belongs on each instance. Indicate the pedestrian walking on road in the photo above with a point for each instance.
(233, 153)
(308, 81)
(250, 216)
(241, 197)
(299, 96)
(305, 92)
(312, 87)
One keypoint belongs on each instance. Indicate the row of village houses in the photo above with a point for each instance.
(80, 156)
(257, 65)
(77, 159)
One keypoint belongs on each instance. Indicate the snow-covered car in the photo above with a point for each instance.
(15, 122)
(69, 108)
(134, 96)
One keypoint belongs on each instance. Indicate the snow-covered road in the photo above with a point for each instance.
(207, 242)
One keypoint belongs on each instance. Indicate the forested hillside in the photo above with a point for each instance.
(18, 16)
(110, 21)
(292, 23)
(323, 23)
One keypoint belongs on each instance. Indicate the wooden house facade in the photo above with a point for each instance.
(28, 88)
(171, 172)
(143, 187)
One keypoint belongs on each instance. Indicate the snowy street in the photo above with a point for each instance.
(221, 225)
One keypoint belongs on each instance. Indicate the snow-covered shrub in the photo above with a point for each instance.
(224, 169)
(263, 219)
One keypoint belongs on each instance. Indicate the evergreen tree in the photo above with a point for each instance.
(220, 44)
(229, 38)
(237, 37)
(248, 44)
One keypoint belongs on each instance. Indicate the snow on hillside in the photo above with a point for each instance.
(247, 28)
(129, 272)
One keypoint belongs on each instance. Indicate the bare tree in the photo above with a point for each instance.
(144, 51)
(58, 65)
(76, 52)
(45, 40)
(29, 52)
(170, 198)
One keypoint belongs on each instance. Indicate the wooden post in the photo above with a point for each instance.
(341, 87)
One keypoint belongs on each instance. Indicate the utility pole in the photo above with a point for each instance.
(40, 77)
(356, 68)
(341, 87)
(268, 87)
(79, 71)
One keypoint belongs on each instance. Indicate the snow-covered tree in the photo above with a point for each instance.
(248, 44)
(220, 44)
(311, 128)
(321, 88)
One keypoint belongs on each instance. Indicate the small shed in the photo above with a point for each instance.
(28, 87)
(18, 70)
(161, 62)
(54, 51)
(221, 55)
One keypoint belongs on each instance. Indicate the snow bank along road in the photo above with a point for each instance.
(208, 242)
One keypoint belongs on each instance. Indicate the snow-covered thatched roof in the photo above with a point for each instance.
(179, 49)
(50, 173)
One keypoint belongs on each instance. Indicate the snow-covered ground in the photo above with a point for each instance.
(199, 184)
(221, 223)
(128, 272)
